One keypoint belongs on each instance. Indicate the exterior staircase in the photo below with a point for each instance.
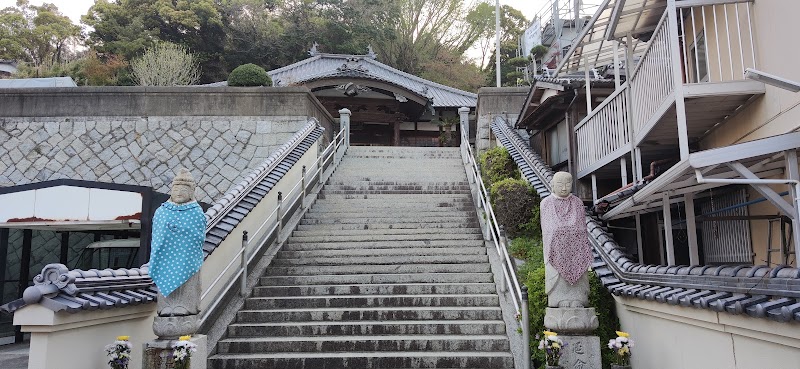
(387, 270)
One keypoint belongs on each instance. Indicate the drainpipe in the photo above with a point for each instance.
(792, 182)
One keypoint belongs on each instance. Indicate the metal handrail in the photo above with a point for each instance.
(330, 154)
(519, 295)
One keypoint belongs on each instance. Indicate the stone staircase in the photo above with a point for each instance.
(387, 270)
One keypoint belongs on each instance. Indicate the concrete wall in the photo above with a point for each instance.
(77, 341)
(493, 101)
(140, 136)
(668, 337)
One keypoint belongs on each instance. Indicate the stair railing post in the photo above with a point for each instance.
(279, 216)
(501, 239)
(303, 184)
(526, 333)
(344, 122)
(243, 279)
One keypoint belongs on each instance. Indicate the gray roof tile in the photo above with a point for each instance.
(60, 289)
(322, 66)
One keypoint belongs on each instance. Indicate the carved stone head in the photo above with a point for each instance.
(561, 184)
(183, 186)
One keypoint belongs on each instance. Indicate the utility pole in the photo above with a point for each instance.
(497, 39)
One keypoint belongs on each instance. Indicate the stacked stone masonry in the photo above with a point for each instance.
(142, 151)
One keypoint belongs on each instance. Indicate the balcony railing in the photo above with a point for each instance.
(603, 132)
(715, 45)
(652, 81)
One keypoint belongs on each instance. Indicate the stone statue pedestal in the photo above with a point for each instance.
(574, 326)
(157, 354)
(582, 352)
(571, 320)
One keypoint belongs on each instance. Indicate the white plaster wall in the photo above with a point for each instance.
(77, 340)
(214, 265)
(675, 337)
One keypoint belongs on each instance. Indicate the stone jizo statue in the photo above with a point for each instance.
(176, 253)
(567, 252)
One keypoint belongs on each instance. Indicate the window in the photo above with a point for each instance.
(558, 143)
(698, 60)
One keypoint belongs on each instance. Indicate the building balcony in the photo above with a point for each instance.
(690, 73)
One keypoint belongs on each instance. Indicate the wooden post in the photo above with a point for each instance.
(594, 188)
(668, 229)
(396, 137)
(623, 165)
(691, 229)
(639, 243)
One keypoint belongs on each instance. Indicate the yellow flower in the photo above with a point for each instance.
(548, 333)
(185, 338)
(623, 334)
(123, 338)
(556, 345)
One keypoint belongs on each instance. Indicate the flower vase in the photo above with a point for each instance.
(617, 366)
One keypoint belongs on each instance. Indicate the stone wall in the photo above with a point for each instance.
(494, 101)
(142, 151)
(141, 135)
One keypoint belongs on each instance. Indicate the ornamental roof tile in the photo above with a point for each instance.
(323, 65)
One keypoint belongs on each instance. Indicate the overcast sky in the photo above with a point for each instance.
(75, 8)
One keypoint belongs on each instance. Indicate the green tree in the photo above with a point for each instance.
(166, 64)
(37, 35)
(128, 27)
(512, 25)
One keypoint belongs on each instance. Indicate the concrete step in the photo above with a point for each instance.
(404, 187)
(405, 198)
(357, 359)
(411, 218)
(310, 246)
(376, 278)
(450, 343)
(392, 231)
(356, 328)
(333, 226)
(391, 213)
(394, 191)
(398, 251)
(359, 261)
(383, 237)
(377, 268)
(362, 301)
(371, 313)
(397, 208)
(375, 289)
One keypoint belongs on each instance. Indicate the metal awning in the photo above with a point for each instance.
(613, 21)
(764, 158)
(77, 225)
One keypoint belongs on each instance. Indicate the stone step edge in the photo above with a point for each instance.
(370, 322)
(307, 297)
(376, 308)
(404, 337)
(340, 354)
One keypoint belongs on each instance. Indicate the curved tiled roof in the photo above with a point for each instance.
(758, 291)
(330, 65)
(60, 289)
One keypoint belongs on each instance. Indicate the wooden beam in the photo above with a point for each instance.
(691, 229)
(668, 241)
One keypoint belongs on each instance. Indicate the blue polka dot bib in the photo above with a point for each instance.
(176, 248)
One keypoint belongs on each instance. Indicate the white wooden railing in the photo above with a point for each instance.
(604, 131)
(652, 81)
(718, 42)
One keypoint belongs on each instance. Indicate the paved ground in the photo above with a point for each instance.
(14, 356)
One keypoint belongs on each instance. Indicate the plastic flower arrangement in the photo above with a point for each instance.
(552, 346)
(622, 346)
(182, 352)
(119, 353)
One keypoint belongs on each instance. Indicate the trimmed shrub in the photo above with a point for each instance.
(518, 62)
(249, 75)
(497, 165)
(513, 201)
(539, 51)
